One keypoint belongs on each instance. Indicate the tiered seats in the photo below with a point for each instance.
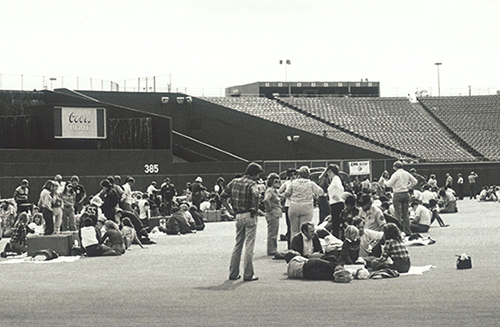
(391, 121)
(273, 111)
(475, 119)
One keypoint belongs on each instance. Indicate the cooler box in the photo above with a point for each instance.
(60, 243)
(212, 216)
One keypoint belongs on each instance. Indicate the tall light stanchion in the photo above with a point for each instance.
(439, 81)
(287, 62)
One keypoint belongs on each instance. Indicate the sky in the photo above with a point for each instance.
(204, 46)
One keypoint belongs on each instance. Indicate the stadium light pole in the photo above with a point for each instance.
(287, 62)
(439, 82)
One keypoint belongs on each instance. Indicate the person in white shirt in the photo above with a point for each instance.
(336, 200)
(143, 205)
(427, 196)
(420, 217)
(401, 181)
(126, 199)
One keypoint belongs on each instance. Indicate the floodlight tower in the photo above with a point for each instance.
(439, 82)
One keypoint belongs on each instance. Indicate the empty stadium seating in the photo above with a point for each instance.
(475, 119)
(273, 111)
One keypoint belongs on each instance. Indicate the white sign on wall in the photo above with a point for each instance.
(359, 168)
(79, 123)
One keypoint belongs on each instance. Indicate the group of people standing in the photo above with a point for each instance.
(402, 207)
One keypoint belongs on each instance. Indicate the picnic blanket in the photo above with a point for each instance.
(24, 258)
(417, 270)
(421, 241)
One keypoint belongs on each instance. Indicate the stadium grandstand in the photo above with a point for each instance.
(183, 135)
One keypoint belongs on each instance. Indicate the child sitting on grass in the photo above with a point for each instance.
(129, 234)
(395, 249)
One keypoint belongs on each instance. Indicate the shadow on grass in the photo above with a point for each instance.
(228, 285)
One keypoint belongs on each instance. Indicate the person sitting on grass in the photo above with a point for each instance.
(18, 241)
(433, 207)
(395, 249)
(113, 238)
(447, 201)
(307, 242)
(420, 217)
(129, 234)
(373, 216)
(370, 241)
(7, 218)
(350, 248)
(90, 241)
(37, 224)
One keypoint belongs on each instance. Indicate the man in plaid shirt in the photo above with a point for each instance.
(243, 195)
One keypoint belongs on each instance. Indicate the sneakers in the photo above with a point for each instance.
(251, 279)
(235, 278)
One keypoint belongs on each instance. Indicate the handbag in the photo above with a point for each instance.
(464, 261)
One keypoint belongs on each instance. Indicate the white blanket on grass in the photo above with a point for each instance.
(417, 270)
(21, 259)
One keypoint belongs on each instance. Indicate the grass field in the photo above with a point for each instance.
(182, 281)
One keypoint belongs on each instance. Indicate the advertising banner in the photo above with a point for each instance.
(79, 123)
(359, 168)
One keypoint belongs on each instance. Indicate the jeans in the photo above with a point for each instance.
(336, 209)
(299, 213)
(246, 229)
(68, 219)
(58, 214)
(324, 208)
(400, 202)
(48, 216)
(273, 224)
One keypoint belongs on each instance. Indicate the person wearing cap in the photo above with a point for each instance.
(336, 199)
(420, 217)
(291, 174)
(373, 216)
(80, 194)
(401, 181)
(244, 196)
(126, 197)
(110, 199)
(21, 195)
(302, 192)
(168, 192)
(472, 184)
(198, 191)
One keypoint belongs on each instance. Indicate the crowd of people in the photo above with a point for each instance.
(360, 222)
(109, 222)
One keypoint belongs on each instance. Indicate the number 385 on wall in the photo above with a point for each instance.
(151, 168)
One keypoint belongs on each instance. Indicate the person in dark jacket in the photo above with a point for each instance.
(307, 241)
